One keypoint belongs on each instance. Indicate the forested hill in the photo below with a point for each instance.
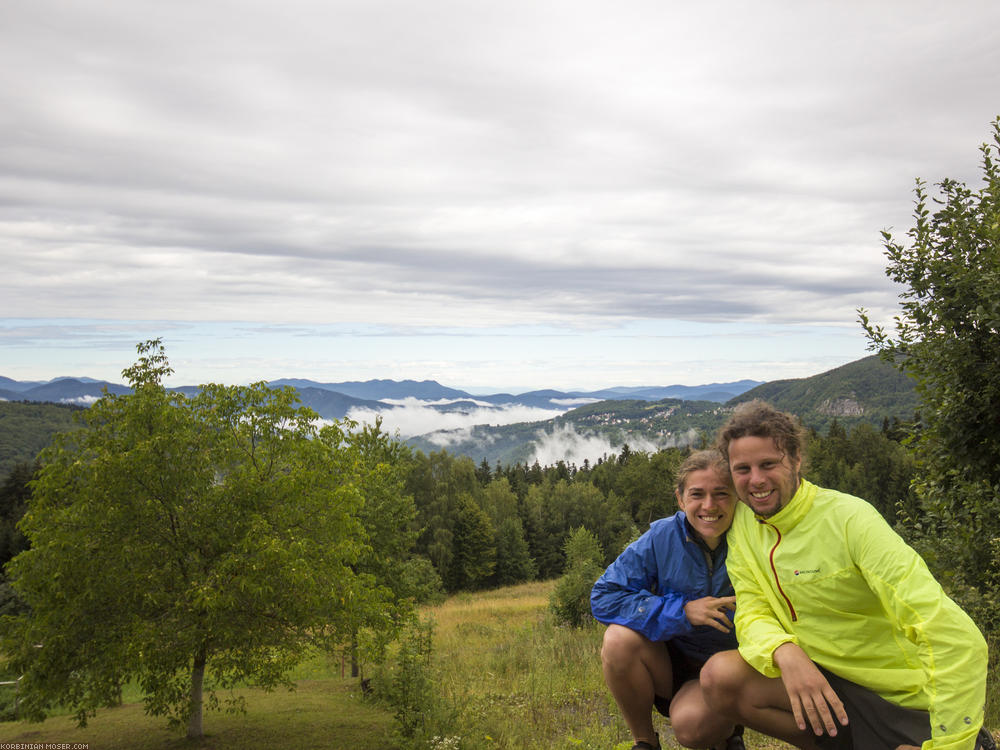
(606, 426)
(26, 428)
(868, 390)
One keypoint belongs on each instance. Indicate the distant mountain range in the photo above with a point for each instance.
(547, 425)
(335, 400)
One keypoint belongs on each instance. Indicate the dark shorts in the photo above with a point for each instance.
(683, 668)
(874, 722)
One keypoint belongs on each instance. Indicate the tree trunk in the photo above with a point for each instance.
(355, 669)
(195, 731)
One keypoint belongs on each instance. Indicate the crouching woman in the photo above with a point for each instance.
(668, 602)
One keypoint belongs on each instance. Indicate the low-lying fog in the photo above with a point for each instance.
(411, 417)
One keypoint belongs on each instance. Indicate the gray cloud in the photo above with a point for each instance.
(563, 163)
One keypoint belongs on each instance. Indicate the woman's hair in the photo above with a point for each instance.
(759, 419)
(699, 461)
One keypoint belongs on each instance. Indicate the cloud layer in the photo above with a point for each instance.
(415, 417)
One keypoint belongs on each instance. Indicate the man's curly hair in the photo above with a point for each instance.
(758, 418)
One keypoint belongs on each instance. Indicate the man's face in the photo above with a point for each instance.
(765, 477)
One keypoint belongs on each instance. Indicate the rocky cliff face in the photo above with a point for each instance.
(841, 407)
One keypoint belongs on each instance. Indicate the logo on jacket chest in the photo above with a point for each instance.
(805, 571)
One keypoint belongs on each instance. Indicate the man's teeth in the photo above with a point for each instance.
(710, 518)
(761, 494)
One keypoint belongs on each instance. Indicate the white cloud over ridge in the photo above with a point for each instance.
(418, 418)
(565, 443)
(81, 400)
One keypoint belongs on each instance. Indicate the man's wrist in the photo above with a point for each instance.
(786, 650)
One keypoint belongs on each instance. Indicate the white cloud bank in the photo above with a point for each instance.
(420, 418)
(81, 400)
(564, 443)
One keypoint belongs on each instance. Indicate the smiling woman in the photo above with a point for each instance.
(667, 601)
(706, 497)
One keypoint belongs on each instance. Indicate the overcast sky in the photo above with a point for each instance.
(497, 196)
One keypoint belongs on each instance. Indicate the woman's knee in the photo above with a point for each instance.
(722, 679)
(694, 722)
(688, 726)
(620, 644)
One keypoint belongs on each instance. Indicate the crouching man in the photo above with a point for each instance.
(846, 641)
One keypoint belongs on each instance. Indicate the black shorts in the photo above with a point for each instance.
(874, 722)
(683, 668)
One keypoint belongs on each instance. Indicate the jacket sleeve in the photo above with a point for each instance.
(759, 629)
(624, 594)
(951, 649)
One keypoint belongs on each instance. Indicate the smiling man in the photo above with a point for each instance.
(846, 640)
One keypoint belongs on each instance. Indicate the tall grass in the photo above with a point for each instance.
(519, 680)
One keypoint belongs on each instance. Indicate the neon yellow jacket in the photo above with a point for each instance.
(828, 573)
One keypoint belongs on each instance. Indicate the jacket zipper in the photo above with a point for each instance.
(774, 572)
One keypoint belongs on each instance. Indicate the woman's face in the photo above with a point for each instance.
(709, 504)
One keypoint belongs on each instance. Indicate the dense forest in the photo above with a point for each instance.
(482, 526)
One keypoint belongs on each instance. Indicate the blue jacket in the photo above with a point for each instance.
(646, 588)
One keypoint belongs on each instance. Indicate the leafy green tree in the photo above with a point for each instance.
(499, 500)
(646, 482)
(947, 337)
(386, 563)
(181, 542)
(14, 495)
(866, 463)
(553, 510)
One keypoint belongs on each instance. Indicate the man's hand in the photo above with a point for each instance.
(809, 692)
(907, 747)
(711, 610)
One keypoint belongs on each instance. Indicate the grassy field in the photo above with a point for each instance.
(510, 679)
(323, 713)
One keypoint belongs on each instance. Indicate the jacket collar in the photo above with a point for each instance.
(692, 536)
(797, 508)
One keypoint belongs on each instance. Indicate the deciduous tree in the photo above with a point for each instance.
(947, 337)
(185, 544)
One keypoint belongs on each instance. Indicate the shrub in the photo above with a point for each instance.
(570, 600)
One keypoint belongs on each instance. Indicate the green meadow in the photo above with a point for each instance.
(508, 678)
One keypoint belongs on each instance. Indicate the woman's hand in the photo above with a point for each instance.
(711, 610)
